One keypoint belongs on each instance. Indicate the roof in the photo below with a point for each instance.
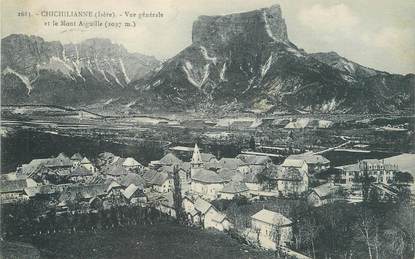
(227, 174)
(325, 190)
(170, 159)
(44, 189)
(117, 171)
(81, 191)
(149, 175)
(129, 191)
(207, 157)
(293, 162)
(62, 156)
(206, 176)
(234, 187)
(80, 171)
(12, 186)
(131, 178)
(349, 168)
(159, 178)
(254, 159)
(231, 163)
(202, 205)
(76, 156)
(85, 160)
(182, 148)
(168, 200)
(271, 217)
(130, 162)
(219, 217)
(112, 185)
(371, 161)
(310, 158)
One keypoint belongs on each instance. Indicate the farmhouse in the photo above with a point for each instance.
(206, 183)
(273, 228)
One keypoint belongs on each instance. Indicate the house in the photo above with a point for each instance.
(230, 175)
(233, 164)
(315, 163)
(87, 164)
(80, 174)
(131, 164)
(251, 181)
(165, 204)
(206, 183)
(322, 194)
(272, 228)
(232, 190)
(36, 165)
(294, 162)
(13, 190)
(378, 170)
(208, 157)
(292, 181)
(193, 215)
(80, 197)
(116, 171)
(76, 157)
(384, 192)
(134, 194)
(132, 178)
(183, 172)
(349, 174)
(255, 160)
(114, 191)
(170, 159)
(210, 217)
(159, 181)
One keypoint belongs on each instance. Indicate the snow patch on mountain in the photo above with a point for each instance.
(206, 56)
(23, 78)
(267, 27)
(222, 73)
(187, 68)
(329, 106)
(127, 79)
(266, 66)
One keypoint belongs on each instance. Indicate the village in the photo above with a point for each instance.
(192, 187)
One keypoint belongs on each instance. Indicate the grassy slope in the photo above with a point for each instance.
(147, 241)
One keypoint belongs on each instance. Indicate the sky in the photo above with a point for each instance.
(378, 34)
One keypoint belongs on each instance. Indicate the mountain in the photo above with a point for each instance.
(38, 71)
(246, 61)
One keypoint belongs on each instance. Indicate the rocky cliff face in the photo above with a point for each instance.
(34, 70)
(247, 61)
(262, 25)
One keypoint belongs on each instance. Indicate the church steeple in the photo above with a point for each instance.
(196, 158)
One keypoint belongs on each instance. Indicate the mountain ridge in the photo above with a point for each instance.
(236, 62)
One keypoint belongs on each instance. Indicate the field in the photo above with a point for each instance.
(164, 240)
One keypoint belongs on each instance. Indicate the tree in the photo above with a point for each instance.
(252, 144)
(403, 177)
(364, 226)
(309, 231)
(394, 242)
(275, 236)
(177, 196)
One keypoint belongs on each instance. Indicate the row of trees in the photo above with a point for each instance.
(15, 221)
(366, 230)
